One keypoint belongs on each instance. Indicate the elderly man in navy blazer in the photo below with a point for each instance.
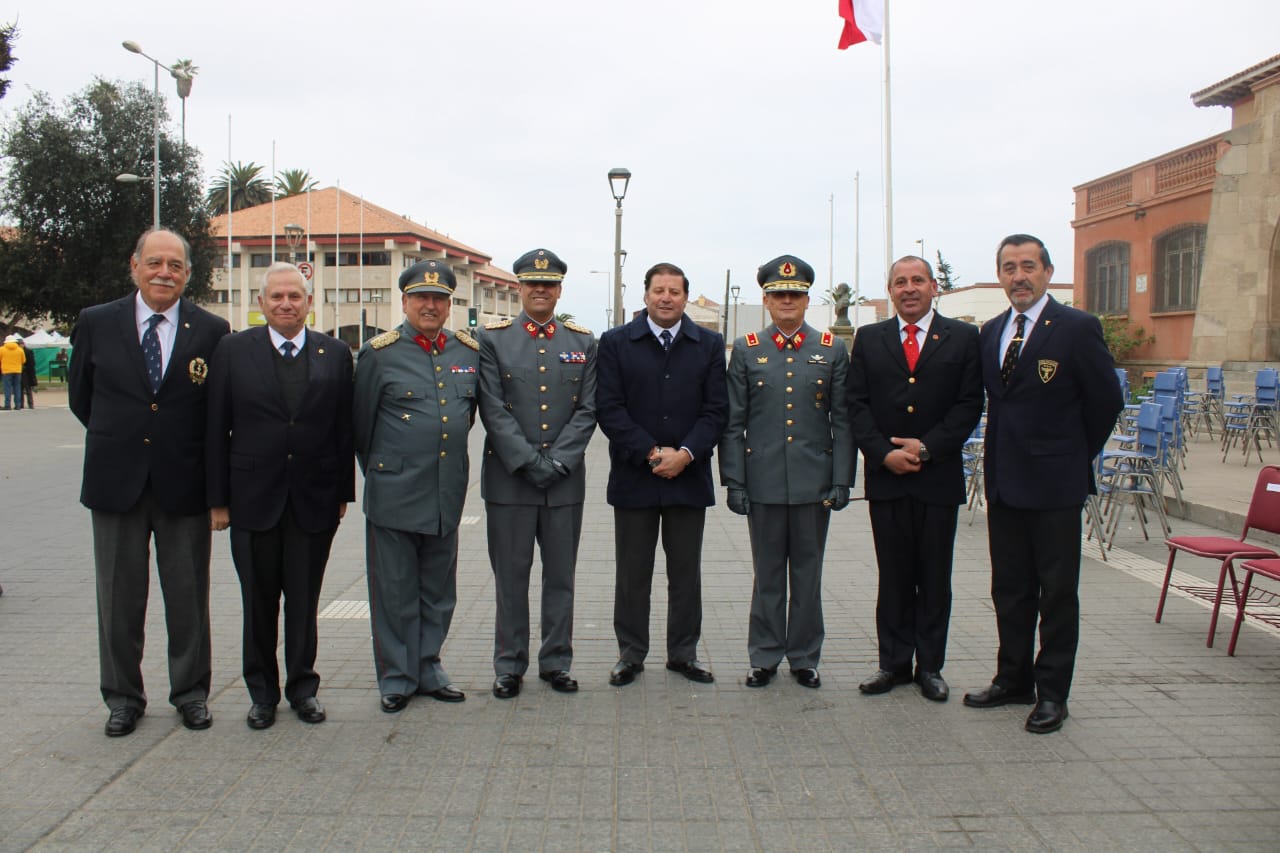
(661, 400)
(137, 383)
(281, 473)
(1052, 401)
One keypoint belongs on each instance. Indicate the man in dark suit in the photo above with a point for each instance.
(661, 400)
(787, 461)
(1052, 401)
(915, 394)
(137, 383)
(538, 404)
(280, 474)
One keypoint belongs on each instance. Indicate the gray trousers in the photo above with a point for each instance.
(787, 545)
(513, 530)
(412, 593)
(122, 562)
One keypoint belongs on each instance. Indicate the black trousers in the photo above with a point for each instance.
(914, 545)
(635, 540)
(1035, 570)
(285, 560)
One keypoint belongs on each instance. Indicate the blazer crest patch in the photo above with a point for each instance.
(466, 340)
(198, 370)
(1047, 368)
(385, 339)
(498, 324)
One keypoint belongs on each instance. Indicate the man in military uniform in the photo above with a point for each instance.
(537, 401)
(415, 400)
(787, 460)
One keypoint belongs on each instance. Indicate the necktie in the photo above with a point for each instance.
(666, 339)
(1015, 346)
(151, 353)
(910, 348)
(287, 349)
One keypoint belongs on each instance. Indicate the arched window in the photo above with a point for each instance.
(1179, 260)
(1108, 278)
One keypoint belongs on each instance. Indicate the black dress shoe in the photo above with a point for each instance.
(309, 710)
(123, 721)
(807, 676)
(932, 686)
(261, 716)
(1048, 716)
(995, 695)
(883, 681)
(692, 670)
(506, 686)
(759, 676)
(195, 715)
(448, 693)
(624, 672)
(560, 679)
(394, 702)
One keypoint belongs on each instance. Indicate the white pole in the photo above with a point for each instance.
(360, 339)
(888, 152)
(310, 260)
(273, 202)
(337, 266)
(857, 236)
(230, 280)
(831, 245)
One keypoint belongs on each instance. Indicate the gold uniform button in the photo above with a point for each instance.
(544, 426)
(575, 398)
(443, 454)
(748, 451)
(542, 351)
(819, 381)
(911, 410)
(146, 441)
(444, 436)
(788, 389)
(541, 335)
(818, 396)
(790, 406)
(379, 465)
(439, 368)
(444, 419)
(408, 393)
(154, 407)
(542, 368)
(790, 374)
(789, 439)
(911, 381)
(790, 359)
(759, 382)
(545, 445)
(439, 384)
(443, 401)
(790, 422)
(542, 388)
(543, 407)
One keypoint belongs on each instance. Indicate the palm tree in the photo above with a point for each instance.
(564, 317)
(178, 70)
(294, 182)
(246, 184)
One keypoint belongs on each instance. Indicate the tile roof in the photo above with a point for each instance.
(1224, 93)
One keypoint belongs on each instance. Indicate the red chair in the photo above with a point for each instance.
(1268, 569)
(1264, 514)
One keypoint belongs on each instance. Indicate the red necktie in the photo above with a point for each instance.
(910, 348)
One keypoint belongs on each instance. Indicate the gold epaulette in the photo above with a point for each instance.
(572, 326)
(498, 324)
(753, 339)
(385, 339)
(466, 340)
(827, 339)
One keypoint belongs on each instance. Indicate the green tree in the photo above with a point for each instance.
(564, 317)
(1123, 337)
(248, 187)
(75, 226)
(294, 182)
(944, 275)
(178, 70)
(8, 35)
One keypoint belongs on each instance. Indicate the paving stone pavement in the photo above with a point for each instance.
(1170, 745)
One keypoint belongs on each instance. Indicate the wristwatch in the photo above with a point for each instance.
(924, 453)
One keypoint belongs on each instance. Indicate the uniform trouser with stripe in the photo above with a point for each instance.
(787, 546)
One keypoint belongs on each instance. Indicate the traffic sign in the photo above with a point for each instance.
(306, 269)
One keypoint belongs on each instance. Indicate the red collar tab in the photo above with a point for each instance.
(549, 330)
(435, 347)
(780, 340)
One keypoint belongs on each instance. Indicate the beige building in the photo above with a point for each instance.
(356, 252)
(978, 303)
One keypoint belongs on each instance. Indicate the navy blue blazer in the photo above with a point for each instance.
(132, 435)
(648, 397)
(939, 403)
(260, 456)
(1045, 427)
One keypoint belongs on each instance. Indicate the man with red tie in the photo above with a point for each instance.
(915, 394)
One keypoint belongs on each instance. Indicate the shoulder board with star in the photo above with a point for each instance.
(753, 340)
(466, 340)
(828, 339)
(575, 327)
(498, 324)
(385, 339)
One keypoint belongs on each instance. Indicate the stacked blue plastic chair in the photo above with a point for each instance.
(1134, 477)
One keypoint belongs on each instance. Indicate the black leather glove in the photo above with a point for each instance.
(837, 498)
(540, 474)
(738, 502)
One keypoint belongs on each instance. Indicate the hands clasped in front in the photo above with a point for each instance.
(668, 462)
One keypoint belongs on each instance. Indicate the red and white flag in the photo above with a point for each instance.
(863, 21)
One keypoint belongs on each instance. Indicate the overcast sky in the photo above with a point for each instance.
(496, 122)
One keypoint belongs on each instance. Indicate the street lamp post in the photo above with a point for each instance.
(293, 235)
(735, 290)
(618, 181)
(134, 47)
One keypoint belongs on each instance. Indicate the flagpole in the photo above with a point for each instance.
(337, 266)
(888, 151)
(230, 271)
(273, 202)
(857, 236)
(360, 340)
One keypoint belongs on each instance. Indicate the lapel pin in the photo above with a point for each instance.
(320, 350)
(186, 325)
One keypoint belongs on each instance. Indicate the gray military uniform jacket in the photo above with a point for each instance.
(412, 411)
(537, 395)
(788, 440)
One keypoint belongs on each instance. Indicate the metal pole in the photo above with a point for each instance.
(617, 264)
(155, 173)
(888, 153)
(857, 257)
(725, 331)
(831, 246)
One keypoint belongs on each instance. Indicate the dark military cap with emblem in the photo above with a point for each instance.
(539, 265)
(429, 277)
(785, 272)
